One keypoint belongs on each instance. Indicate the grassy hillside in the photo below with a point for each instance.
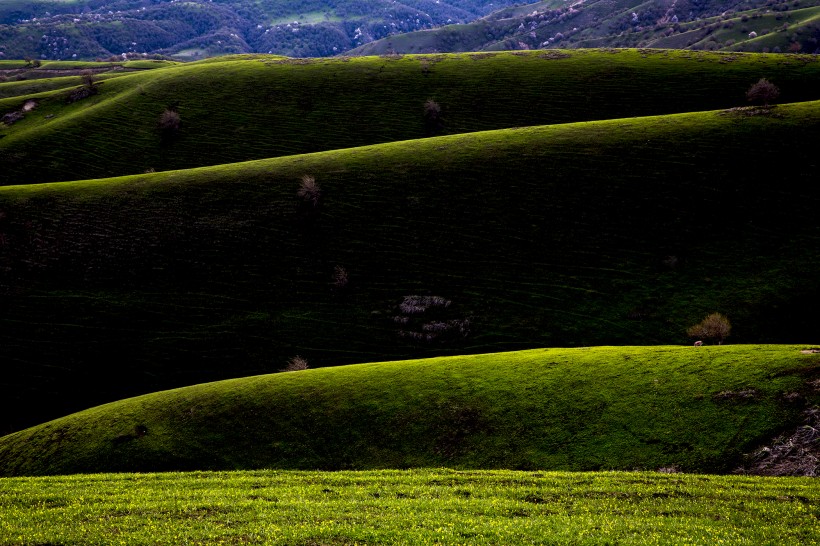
(21, 79)
(240, 108)
(88, 29)
(705, 25)
(613, 232)
(409, 507)
(787, 31)
(694, 408)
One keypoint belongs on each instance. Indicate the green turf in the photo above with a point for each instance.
(557, 409)
(36, 86)
(615, 232)
(408, 508)
(265, 106)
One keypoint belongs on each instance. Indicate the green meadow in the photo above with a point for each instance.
(435, 506)
(696, 409)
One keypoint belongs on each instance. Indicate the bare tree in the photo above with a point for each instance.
(309, 190)
(714, 326)
(340, 278)
(296, 364)
(169, 121)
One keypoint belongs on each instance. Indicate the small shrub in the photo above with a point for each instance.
(87, 89)
(296, 364)
(763, 92)
(88, 78)
(432, 117)
(340, 278)
(169, 122)
(309, 191)
(715, 326)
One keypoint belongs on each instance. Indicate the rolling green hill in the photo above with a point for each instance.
(610, 232)
(244, 108)
(697, 409)
(18, 79)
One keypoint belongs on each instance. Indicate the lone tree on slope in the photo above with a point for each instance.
(763, 92)
(714, 326)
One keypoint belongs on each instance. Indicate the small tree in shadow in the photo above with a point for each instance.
(715, 326)
(169, 124)
(309, 191)
(340, 277)
(432, 118)
(169, 121)
(763, 92)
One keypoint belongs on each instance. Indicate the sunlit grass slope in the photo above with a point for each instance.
(21, 79)
(264, 106)
(615, 232)
(696, 408)
(411, 507)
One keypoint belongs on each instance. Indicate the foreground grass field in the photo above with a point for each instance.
(408, 507)
(694, 408)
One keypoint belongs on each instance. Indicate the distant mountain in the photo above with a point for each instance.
(88, 29)
(732, 25)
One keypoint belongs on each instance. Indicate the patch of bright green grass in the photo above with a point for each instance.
(148, 64)
(32, 88)
(408, 508)
(13, 64)
(694, 408)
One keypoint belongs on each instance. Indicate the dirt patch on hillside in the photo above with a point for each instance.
(750, 111)
(741, 395)
(794, 454)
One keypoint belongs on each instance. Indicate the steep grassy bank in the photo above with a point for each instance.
(408, 507)
(617, 232)
(236, 109)
(697, 409)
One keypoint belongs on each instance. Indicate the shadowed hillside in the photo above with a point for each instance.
(612, 232)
